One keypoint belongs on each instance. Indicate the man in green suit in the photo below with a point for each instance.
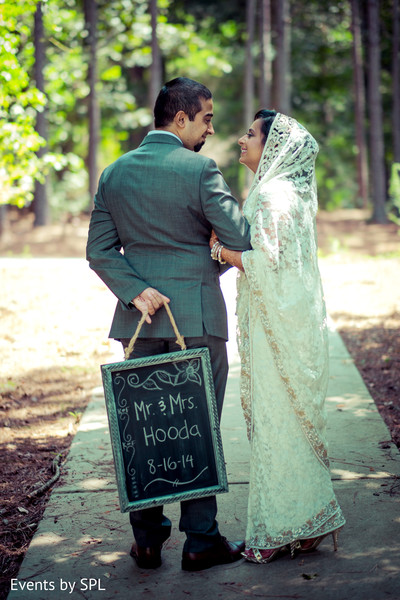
(159, 203)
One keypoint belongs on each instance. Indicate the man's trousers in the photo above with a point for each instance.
(198, 517)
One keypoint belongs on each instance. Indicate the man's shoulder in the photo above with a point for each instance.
(171, 143)
(196, 158)
(194, 161)
(121, 159)
(174, 154)
(118, 164)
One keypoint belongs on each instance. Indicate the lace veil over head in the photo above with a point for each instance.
(289, 154)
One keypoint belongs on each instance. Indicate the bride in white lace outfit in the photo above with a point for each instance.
(282, 338)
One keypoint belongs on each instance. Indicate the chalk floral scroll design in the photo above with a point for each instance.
(127, 440)
(176, 482)
(186, 370)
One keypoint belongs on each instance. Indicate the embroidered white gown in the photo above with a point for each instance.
(282, 338)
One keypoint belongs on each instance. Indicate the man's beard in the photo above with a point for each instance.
(198, 146)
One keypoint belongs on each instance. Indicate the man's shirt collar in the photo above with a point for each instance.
(164, 132)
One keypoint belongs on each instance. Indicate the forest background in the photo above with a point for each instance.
(79, 78)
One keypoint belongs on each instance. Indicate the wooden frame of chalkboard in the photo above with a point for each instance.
(164, 429)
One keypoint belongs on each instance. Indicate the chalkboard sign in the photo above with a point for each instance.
(164, 429)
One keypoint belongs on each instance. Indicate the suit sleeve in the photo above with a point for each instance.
(104, 256)
(222, 210)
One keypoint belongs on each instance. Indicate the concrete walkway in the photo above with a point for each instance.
(81, 548)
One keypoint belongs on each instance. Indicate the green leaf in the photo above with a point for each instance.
(112, 73)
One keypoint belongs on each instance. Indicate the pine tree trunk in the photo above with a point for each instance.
(376, 147)
(90, 8)
(249, 76)
(156, 66)
(40, 202)
(396, 81)
(281, 64)
(359, 108)
(3, 218)
(265, 54)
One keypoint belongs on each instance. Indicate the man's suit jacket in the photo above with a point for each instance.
(159, 204)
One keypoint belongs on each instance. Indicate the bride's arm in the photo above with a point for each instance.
(232, 257)
(224, 255)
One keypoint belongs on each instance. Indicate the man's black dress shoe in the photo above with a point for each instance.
(146, 558)
(223, 553)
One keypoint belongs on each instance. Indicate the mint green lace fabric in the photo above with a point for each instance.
(283, 346)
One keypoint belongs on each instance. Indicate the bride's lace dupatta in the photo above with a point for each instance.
(282, 338)
(282, 280)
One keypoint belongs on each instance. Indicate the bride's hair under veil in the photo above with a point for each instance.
(267, 117)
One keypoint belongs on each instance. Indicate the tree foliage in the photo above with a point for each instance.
(19, 100)
(202, 39)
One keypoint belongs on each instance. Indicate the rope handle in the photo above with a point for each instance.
(179, 338)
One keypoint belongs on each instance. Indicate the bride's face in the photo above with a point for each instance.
(252, 146)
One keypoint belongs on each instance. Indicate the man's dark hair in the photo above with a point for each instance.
(179, 94)
(267, 117)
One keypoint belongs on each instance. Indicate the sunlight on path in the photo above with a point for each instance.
(53, 312)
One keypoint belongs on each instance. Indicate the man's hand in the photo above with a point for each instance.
(150, 300)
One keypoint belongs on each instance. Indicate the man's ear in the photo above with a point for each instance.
(180, 119)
